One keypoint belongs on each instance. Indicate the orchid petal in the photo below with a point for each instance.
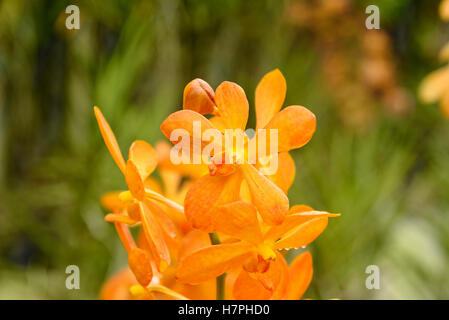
(238, 220)
(301, 273)
(270, 200)
(144, 157)
(206, 194)
(210, 262)
(110, 140)
(296, 126)
(232, 105)
(303, 234)
(270, 95)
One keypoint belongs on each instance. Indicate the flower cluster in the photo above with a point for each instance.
(435, 87)
(213, 229)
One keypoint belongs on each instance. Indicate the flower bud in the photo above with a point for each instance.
(199, 97)
(140, 264)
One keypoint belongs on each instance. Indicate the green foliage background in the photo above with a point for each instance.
(133, 58)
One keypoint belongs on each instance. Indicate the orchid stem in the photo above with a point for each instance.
(215, 240)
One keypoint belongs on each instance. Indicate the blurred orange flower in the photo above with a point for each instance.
(444, 10)
(435, 87)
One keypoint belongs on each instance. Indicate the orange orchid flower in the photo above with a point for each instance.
(295, 125)
(269, 98)
(173, 257)
(255, 250)
(139, 204)
(155, 285)
(164, 284)
(280, 281)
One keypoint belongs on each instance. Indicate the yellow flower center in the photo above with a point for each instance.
(125, 196)
(266, 251)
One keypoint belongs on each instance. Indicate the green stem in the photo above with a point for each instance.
(215, 239)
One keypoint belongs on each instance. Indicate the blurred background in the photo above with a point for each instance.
(379, 156)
